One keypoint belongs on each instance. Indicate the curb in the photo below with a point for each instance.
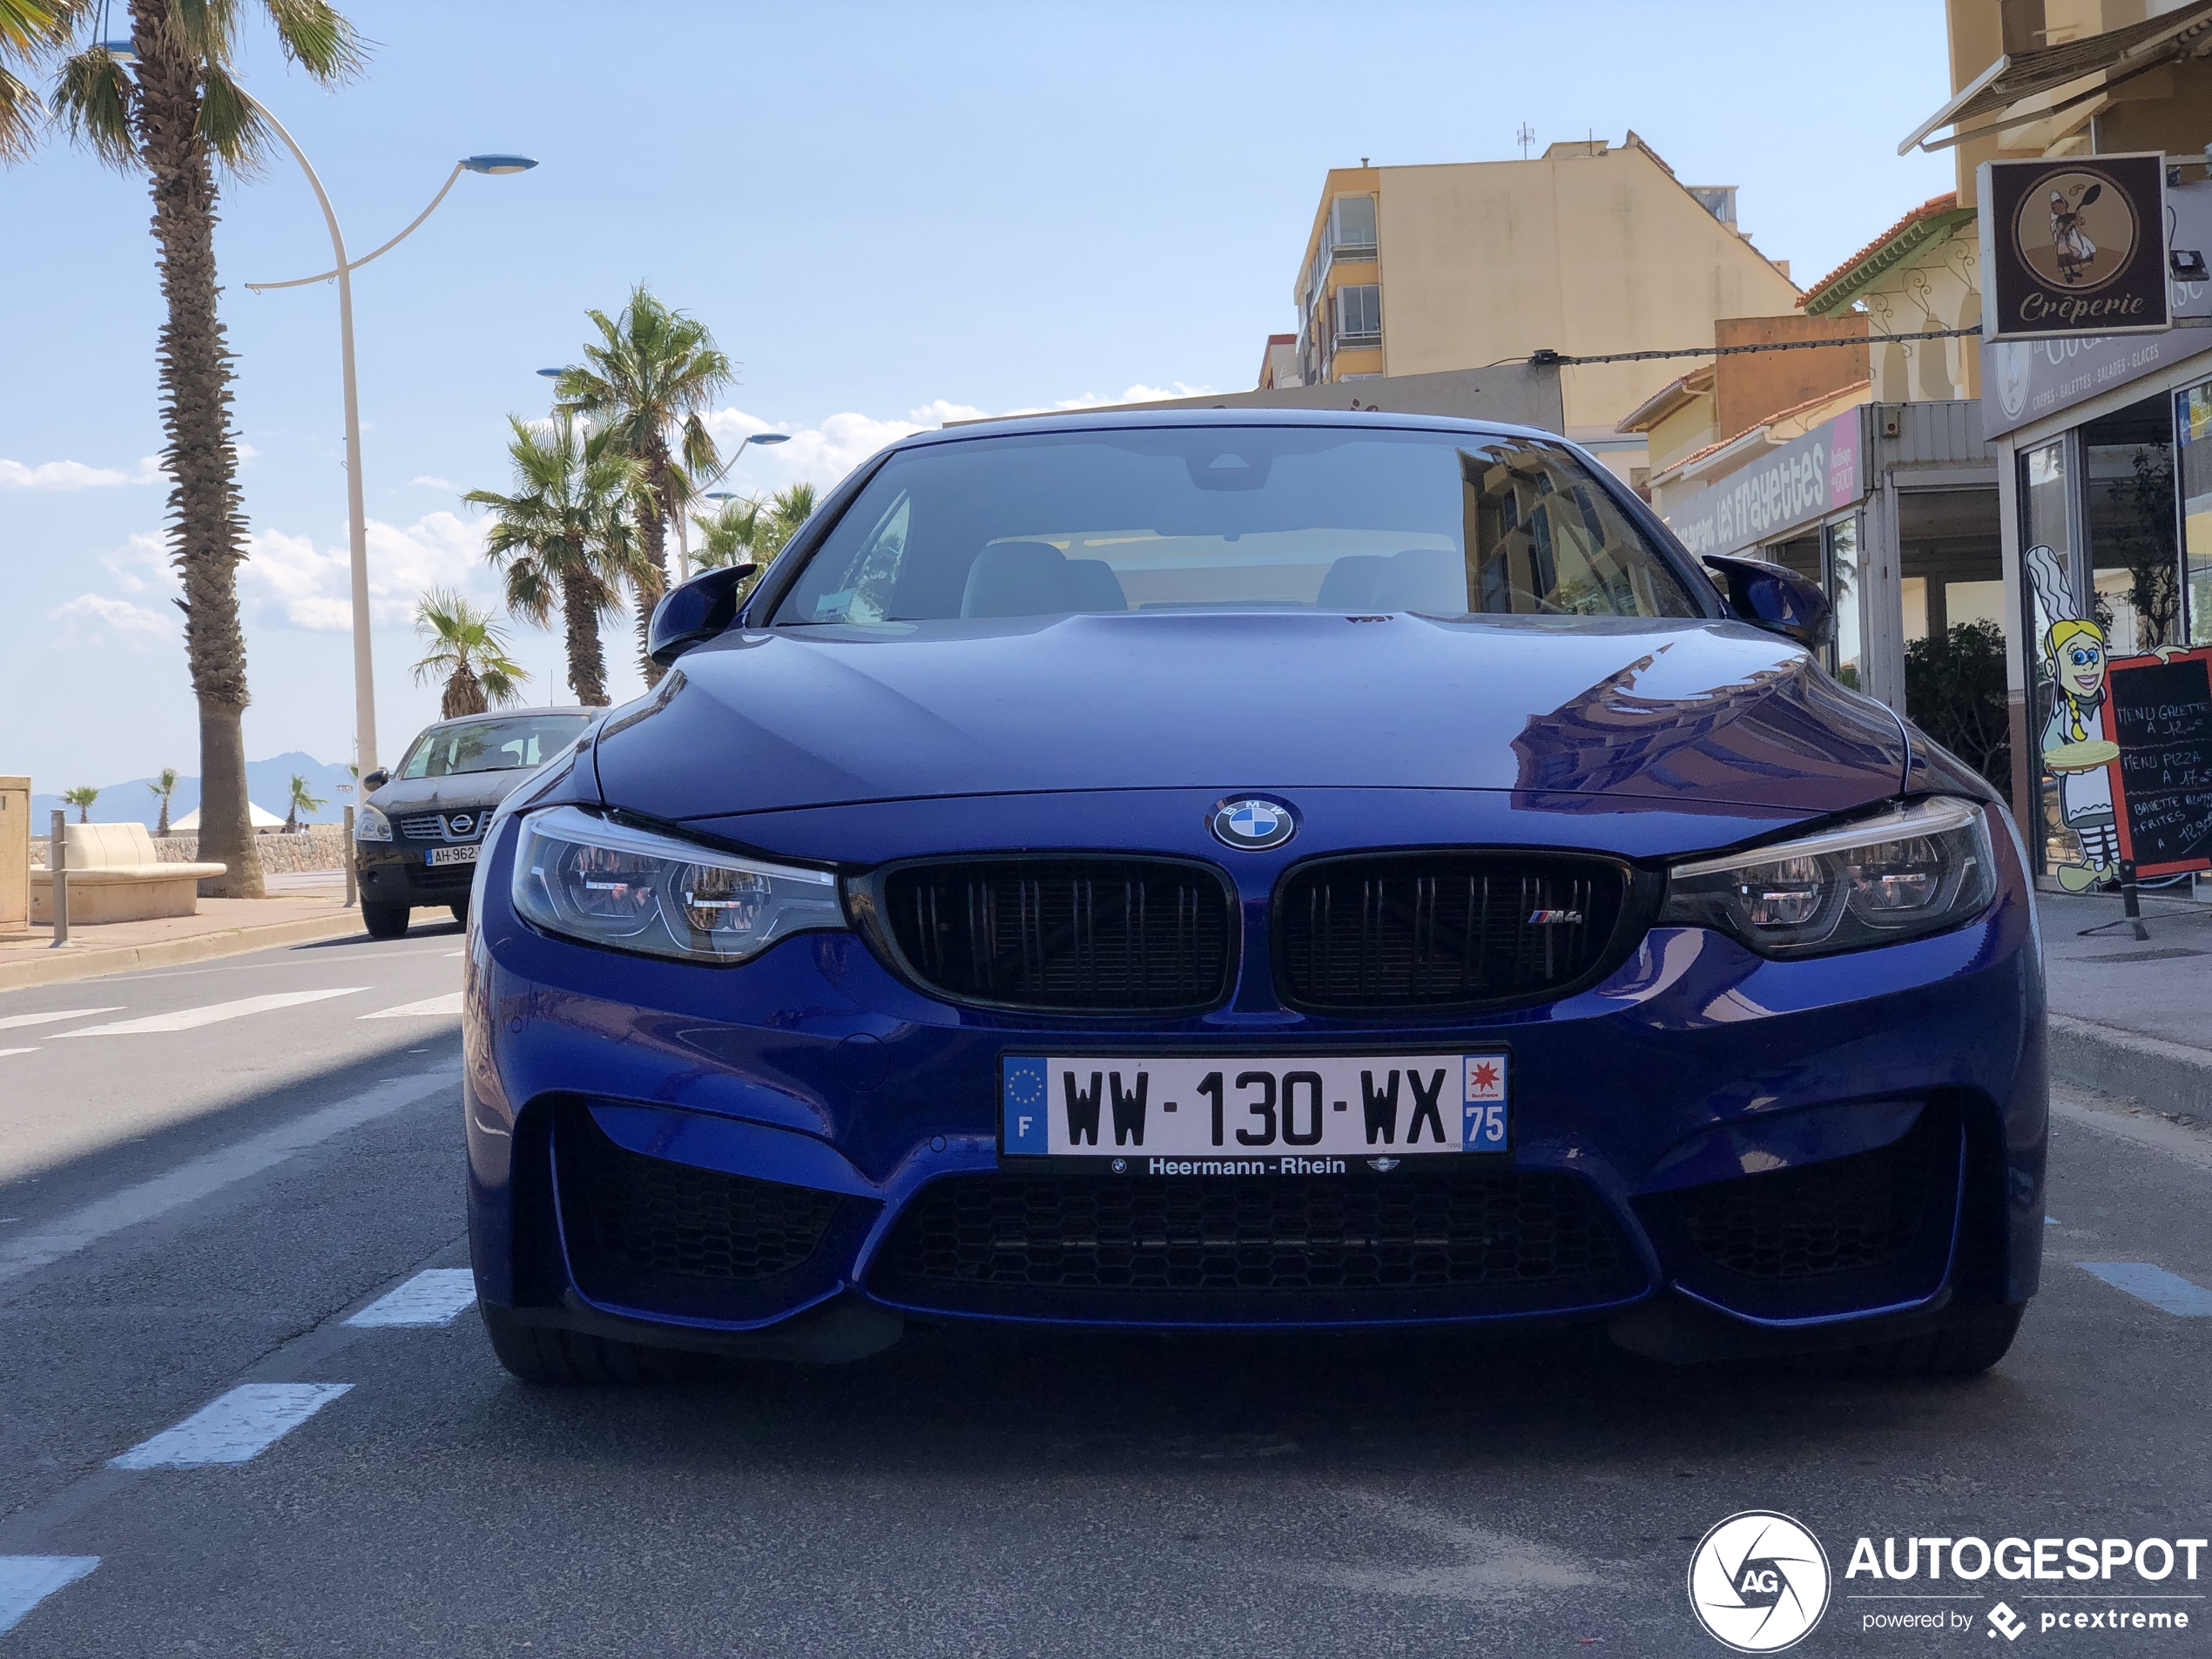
(2170, 1076)
(58, 967)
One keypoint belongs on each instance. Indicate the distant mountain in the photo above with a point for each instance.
(268, 785)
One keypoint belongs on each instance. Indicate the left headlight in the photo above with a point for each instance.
(607, 883)
(1917, 870)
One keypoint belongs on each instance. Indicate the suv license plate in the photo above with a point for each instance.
(1258, 1115)
(450, 855)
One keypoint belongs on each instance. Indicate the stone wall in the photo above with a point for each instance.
(319, 847)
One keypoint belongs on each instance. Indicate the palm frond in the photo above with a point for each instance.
(233, 128)
(317, 37)
(93, 100)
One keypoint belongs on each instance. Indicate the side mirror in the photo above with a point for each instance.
(695, 611)
(1776, 598)
(374, 781)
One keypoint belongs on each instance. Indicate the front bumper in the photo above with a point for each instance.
(706, 1157)
(397, 872)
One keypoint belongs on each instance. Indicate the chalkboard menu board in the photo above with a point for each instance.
(2162, 781)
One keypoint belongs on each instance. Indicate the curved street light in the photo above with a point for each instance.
(356, 513)
(683, 533)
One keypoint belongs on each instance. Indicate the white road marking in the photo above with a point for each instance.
(18, 1051)
(25, 1581)
(232, 1427)
(191, 1019)
(449, 1003)
(2153, 1284)
(202, 1176)
(14, 1020)
(434, 1297)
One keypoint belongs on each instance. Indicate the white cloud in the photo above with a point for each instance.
(311, 586)
(141, 565)
(74, 474)
(95, 618)
(429, 482)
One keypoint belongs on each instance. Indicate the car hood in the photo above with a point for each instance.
(471, 789)
(1661, 711)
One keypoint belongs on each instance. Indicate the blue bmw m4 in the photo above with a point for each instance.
(1242, 871)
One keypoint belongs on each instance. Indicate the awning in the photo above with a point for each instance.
(2117, 54)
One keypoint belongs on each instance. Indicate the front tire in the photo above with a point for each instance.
(385, 920)
(540, 1354)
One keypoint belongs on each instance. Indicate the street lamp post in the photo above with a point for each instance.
(683, 537)
(357, 512)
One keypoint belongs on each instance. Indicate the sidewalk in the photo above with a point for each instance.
(2131, 1017)
(299, 910)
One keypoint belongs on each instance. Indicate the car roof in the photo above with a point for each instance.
(1136, 419)
(510, 714)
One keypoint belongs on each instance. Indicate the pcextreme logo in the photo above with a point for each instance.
(1758, 1582)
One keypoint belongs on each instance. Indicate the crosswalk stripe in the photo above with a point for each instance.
(14, 1020)
(2169, 1292)
(25, 1581)
(449, 1003)
(232, 1427)
(191, 1019)
(434, 1297)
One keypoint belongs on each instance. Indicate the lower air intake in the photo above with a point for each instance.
(1139, 1245)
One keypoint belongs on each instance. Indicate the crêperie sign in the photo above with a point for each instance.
(2163, 780)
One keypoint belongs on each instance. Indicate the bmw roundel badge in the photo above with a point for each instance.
(1251, 823)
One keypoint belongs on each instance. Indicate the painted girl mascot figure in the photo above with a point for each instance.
(2077, 741)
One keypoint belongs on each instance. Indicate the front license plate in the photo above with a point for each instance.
(1261, 1115)
(450, 855)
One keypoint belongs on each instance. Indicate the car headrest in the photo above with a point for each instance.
(1354, 582)
(1034, 579)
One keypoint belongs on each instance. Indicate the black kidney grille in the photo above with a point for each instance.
(1845, 1215)
(1081, 935)
(634, 1214)
(1434, 929)
(1161, 1235)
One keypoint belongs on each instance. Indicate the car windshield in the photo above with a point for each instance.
(1237, 517)
(492, 746)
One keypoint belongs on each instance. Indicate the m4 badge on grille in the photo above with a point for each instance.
(1554, 918)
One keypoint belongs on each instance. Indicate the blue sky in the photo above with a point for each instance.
(885, 213)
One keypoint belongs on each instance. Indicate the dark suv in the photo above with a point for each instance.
(416, 840)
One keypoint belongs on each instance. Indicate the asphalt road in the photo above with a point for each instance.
(197, 1206)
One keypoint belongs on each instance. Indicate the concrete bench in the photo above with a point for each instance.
(115, 875)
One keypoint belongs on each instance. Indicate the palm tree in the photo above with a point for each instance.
(564, 537)
(302, 801)
(647, 382)
(176, 119)
(163, 786)
(82, 798)
(728, 535)
(790, 507)
(31, 31)
(469, 650)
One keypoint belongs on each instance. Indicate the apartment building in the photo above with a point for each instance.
(1591, 248)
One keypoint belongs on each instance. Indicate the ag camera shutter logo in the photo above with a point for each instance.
(1758, 1582)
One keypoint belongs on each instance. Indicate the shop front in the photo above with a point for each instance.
(2105, 458)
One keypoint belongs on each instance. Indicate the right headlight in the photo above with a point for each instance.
(1917, 870)
(370, 825)
(605, 882)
